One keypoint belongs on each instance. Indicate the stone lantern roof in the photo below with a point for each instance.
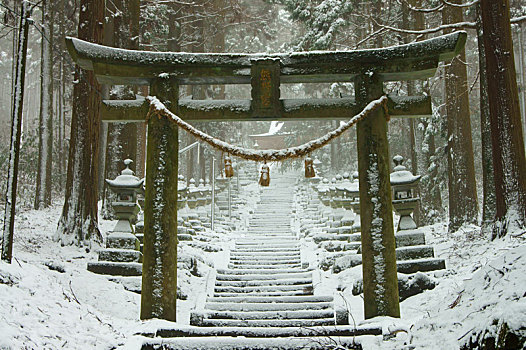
(127, 179)
(402, 176)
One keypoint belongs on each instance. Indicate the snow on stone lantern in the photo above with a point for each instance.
(323, 190)
(192, 194)
(347, 186)
(126, 186)
(182, 192)
(403, 184)
(201, 193)
(208, 192)
(316, 179)
(332, 192)
(340, 192)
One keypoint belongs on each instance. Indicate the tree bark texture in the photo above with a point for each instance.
(45, 134)
(463, 207)
(488, 181)
(506, 128)
(380, 281)
(159, 277)
(16, 129)
(78, 223)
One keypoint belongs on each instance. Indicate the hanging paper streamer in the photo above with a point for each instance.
(264, 180)
(309, 168)
(229, 170)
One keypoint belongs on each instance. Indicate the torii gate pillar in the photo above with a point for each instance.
(380, 282)
(159, 277)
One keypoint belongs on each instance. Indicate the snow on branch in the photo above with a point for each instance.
(459, 25)
(469, 4)
(159, 109)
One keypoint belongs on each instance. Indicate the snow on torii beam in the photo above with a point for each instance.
(368, 69)
(406, 62)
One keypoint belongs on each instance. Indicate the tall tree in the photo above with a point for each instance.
(121, 137)
(45, 134)
(463, 207)
(16, 129)
(488, 181)
(78, 223)
(506, 128)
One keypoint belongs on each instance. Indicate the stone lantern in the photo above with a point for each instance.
(317, 178)
(208, 192)
(182, 192)
(347, 187)
(201, 193)
(126, 186)
(323, 190)
(340, 192)
(403, 185)
(192, 195)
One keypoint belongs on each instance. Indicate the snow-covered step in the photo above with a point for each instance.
(263, 249)
(242, 343)
(248, 261)
(304, 299)
(420, 265)
(410, 238)
(120, 255)
(267, 241)
(265, 294)
(265, 260)
(266, 315)
(256, 267)
(264, 246)
(259, 271)
(268, 323)
(228, 306)
(257, 332)
(115, 268)
(258, 254)
(272, 288)
(280, 282)
(322, 237)
(414, 252)
(254, 276)
(269, 236)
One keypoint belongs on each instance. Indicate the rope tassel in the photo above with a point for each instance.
(264, 179)
(229, 170)
(309, 168)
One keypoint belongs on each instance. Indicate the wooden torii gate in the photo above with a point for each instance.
(164, 72)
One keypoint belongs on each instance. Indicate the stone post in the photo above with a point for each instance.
(159, 275)
(380, 282)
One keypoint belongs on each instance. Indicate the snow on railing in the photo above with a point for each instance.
(159, 109)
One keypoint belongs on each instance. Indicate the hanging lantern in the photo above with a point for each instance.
(309, 168)
(229, 170)
(264, 179)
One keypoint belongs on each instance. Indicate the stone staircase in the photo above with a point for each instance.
(265, 292)
(265, 284)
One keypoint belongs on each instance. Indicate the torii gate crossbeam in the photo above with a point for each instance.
(164, 72)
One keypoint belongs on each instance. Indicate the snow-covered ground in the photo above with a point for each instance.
(48, 300)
